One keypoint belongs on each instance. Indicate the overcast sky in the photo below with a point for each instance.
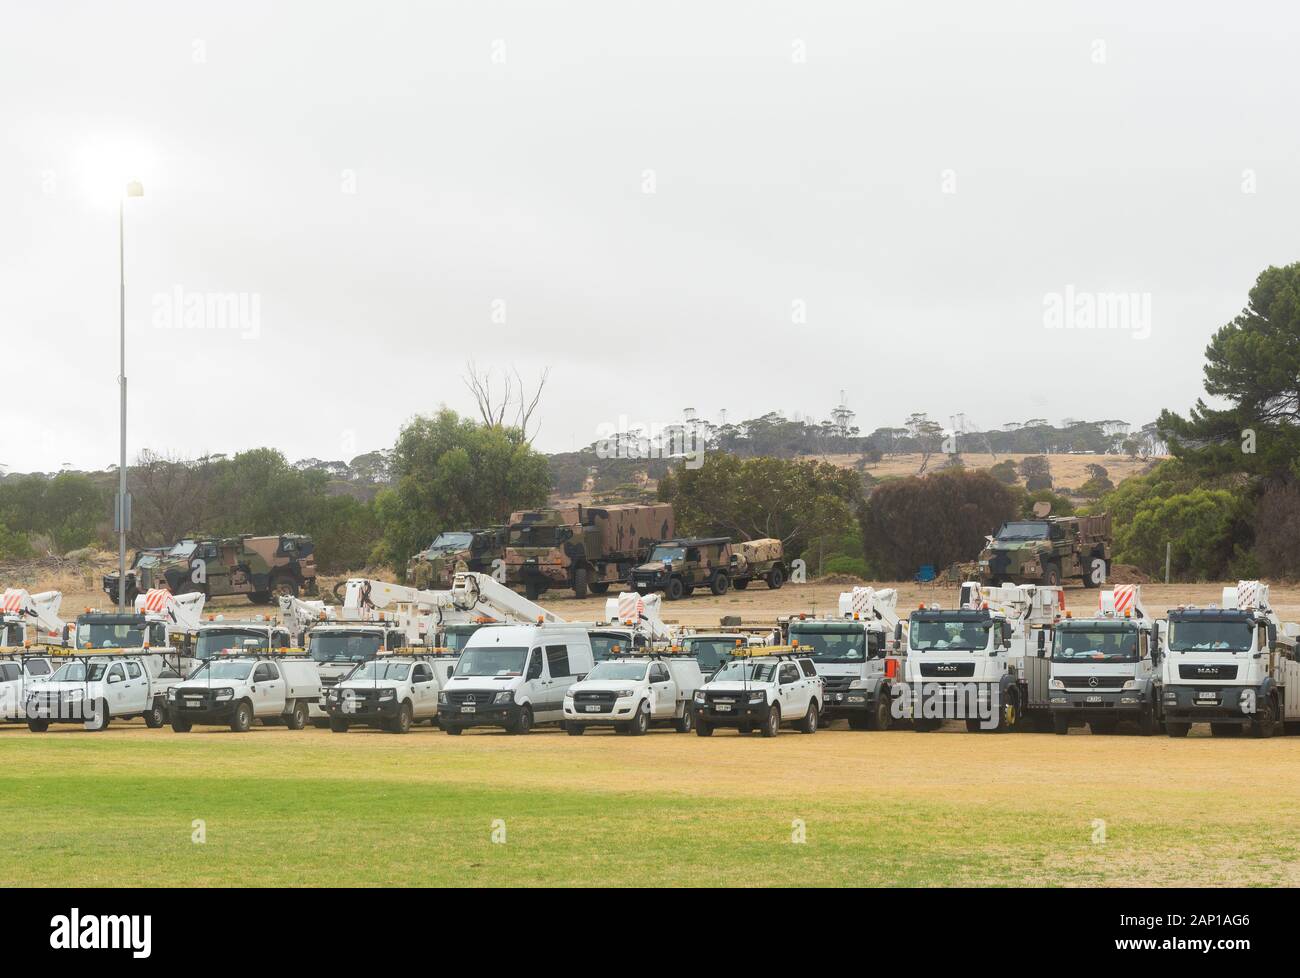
(728, 205)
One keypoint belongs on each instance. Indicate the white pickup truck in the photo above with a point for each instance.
(19, 674)
(389, 691)
(630, 693)
(761, 689)
(240, 688)
(94, 689)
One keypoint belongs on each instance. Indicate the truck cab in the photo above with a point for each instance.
(109, 630)
(1105, 667)
(93, 689)
(237, 688)
(217, 636)
(851, 653)
(514, 676)
(761, 688)
(391, 692)
(1231, 666)
(633, 692)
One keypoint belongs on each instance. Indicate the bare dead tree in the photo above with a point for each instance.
(494, 402)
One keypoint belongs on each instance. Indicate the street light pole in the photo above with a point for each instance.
(133, 189)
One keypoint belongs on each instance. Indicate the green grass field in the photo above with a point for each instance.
(284, 808)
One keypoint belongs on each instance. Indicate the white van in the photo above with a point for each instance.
(514, 676)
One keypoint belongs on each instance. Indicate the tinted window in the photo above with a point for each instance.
(10, 670)
(557, 659)
(38, 667)
(422, 673)
(658, 674)
(789, 674)
(115, 673)
(264, 671)
(808, 668)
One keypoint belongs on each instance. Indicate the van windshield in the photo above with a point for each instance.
(493, 660)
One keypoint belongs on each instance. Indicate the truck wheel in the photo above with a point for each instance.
(808, 724)
(38, 726)
(1265, 720)
(686, 721)
(99, 717)
(740, 583)
(859, 723)
(641, 722)
(974, 725)
(921, 725)
(531, 590)
(402, 722)
(1103, 727)
(881, 716)
(719, 584)
(1177, 729)
(525, 721)
(297, 719)
(574, 729)
(181, 725)
(675, 589)
(243, 717)
(455, 729)
(1224, 730)
(154, 717)
(1147, 724)
(580, 582)
(339, 724)
(1009, 715)
(600, 587)
(1052, 575)
(1060, 723)
(772, 725)
(775, 578)
(703, 729)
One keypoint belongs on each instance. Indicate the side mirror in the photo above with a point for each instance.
(1042, 644)
(898, 632)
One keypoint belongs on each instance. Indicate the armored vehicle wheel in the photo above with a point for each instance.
(531, 590)
(580, 582)
(772, 725)
(740, 583)
(775, 578)
(1052, 575)
(601, 587)
(675, 589)
(1177, 729)
(719, 584)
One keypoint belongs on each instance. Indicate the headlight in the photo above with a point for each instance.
(1131, 684)
(224, 694)
(171, 693)
(699, 696)
(507, 696)
(387, 694)
(443, 700)
(1056, 684)
(757, 698)
(622, 693)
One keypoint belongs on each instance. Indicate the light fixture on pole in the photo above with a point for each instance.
(122, 509)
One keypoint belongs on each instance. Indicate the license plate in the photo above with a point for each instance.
(1094, 699)
(593, 709)
(193, 702)
(722, 707)
(469, 709)
(1207, 696)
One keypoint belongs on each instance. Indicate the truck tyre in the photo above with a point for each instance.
(402, 722)
(339, 724)
(686, 721)
(599, 587)
(1224, 730)
(808, 724)
(1060, 723)
(1103, 727)
(259, 597)
(925, 725)
(1262, 724)
(574, 729)
(675, 589)
(703, 729)
(1009, 715)
(859, 723)
(1177, 729)
(974, 724)
(772, 725)
(1147, 724)
(641, 722)
(740, 583)
(99, 717)
(532, 591)
(38, 726)
(525, 721)
(580, 582)
(155, 716)
(242, 719)
(775, 578)
(454, 729)
(297, 718)
(881, 715)
(181, 725)
(1052, 575)
(719, 584)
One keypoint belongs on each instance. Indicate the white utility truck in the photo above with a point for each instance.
(20, 672)
(761, 688)
(94, 688)
(632, 623)
(161, 620)
(515, 676)
(31, 619)
(238, 688)
(1105, 666)
(391, 692)
(632, 692)
(218, 634)
(852, 654)
(985, 662)
(1231, 666)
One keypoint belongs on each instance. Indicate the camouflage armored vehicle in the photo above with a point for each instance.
(259, 567)
(1048, 550)
(584, 548)
(453, 550)
(678, 567)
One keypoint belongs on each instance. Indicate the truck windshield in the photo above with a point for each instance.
(449, 541)
(634, 671)
(111, 635)
(964, 636)
(181, 550)
(1024, 531)
(345, 646)
(376, 669)
(1095, 645)
(710, 653)
(659, 554)
(78, 672)
(602, 644)
(823, 646)
(212, 641)
(1210, 636)
(492, 661)
(741, 671)
(222, 670)
(534, 536)
(457, 635)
